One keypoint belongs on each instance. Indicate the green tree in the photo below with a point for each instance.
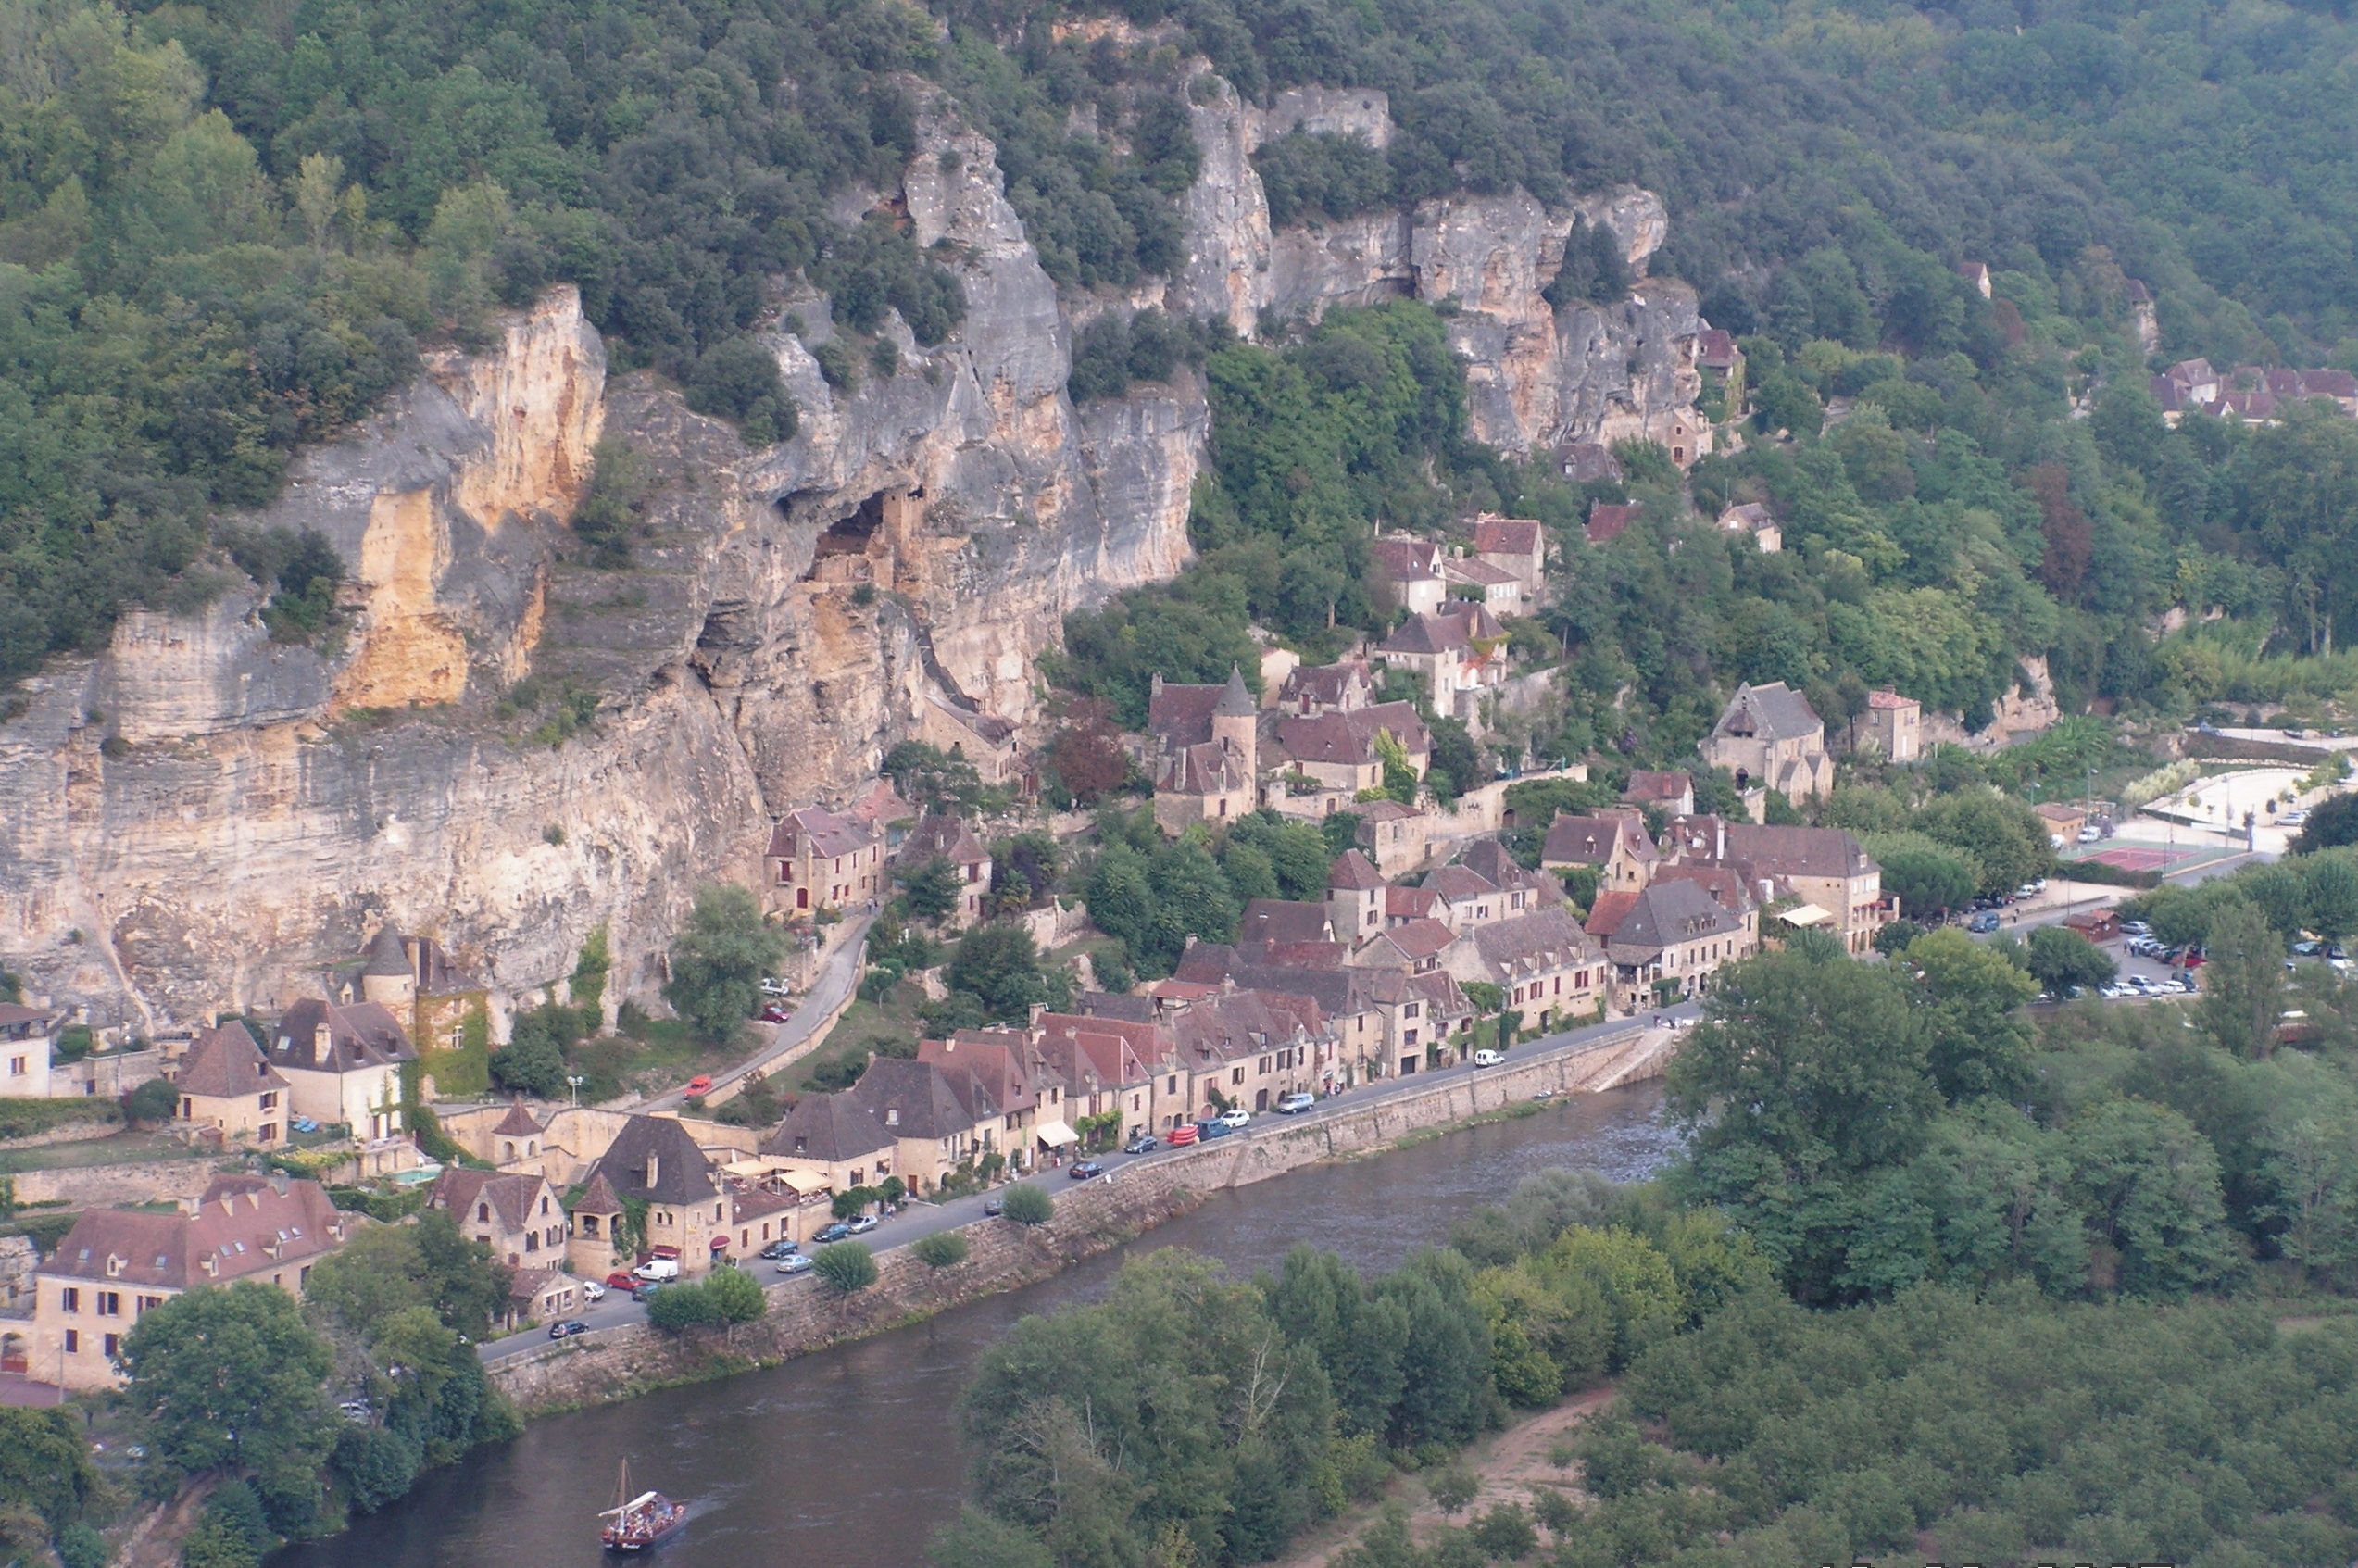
(533, 1061)
(719, 959)
(679, 1307)
(2243, 981)
(735, 1297)
(1028, 1204)
(846, 1266)
(1927, 883)
(229, 1378)
(976, 1539)
(933, 889)
(2063, 960)
(1000, 965)
(940, 1250)
(1453, 1488)
(2331, 883)
(153, 1102)
(2003, 836)
(44, 1468)
(1971, 999)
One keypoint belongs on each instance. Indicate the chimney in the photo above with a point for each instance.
(653, 1161)
(320, 1043)
(1719, 841)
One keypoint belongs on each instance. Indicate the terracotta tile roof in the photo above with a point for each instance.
(226, 1064)
(1608, 521)
(1648, 786)
(1410, 903)
(1891, 700)
(1404, 559)
(918, 1099)
(1606, 914)
(1664, 915)
(1421, 938)
(1474, 570)
(243, 1225)
(598, 1197)
(1354, 870)
(1506, 535)
(821, 832)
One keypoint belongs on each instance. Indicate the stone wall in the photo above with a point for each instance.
(623, 1362)
(100, 1187)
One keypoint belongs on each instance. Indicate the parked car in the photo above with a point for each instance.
(2088, 836)
(860, 1224)
(700, 1083)
(2136, 928)
(593, 1291)
(1488, 1058)
(836, 1231)
(1142, 1144)
(774, 1013)
(656, 1270)
(620, 1279)
(567, 1329)
(1185, 1133)
(993, 1208)
(1985, 921)
(794, 1263)
(773, 986)
(1214, 1128)
(1295, 1103)
(1236, 1116)
(2027, 890)
(2293, 818)
(780, 1249)
(1084, 1170)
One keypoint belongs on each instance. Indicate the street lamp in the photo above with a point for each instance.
(574, 1081)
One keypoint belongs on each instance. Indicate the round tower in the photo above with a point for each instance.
(1237, 720)
(387, 978)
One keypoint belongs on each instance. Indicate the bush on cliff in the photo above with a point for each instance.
(941, 1251)
(1028, 1204)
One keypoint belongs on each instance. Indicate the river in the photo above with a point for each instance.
(850, 1458)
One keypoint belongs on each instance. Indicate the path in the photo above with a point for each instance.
(1510, 1466)
(837, 975)
(918, 1219)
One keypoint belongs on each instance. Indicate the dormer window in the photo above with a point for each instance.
(892, 1116)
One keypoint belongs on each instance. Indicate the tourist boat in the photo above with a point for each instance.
(645, 1520)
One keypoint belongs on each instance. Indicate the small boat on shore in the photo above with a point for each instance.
(638, 1523)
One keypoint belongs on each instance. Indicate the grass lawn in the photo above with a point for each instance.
(651, 1055)
(862, 1025)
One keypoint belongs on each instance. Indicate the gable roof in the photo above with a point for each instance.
(225, 1064)
(1796, 851)
(1459, 882)
(598, 1197)
(1324, 685)
(1506, 535)
(1478, 573)
(1352, 870)
(1720, 883)
(1419, 939)
(1587, 462)
(1749, 518)
(1716, 350)
(1646, 785)
(360, 1034)
(820, 832)
(1404, 558)
(1410, 903)
(1543, 940)
(1425, 633)
(1181, 714)
(946, 835)
(918, 1099)
(1609, 521)
(1286, 919)
(1772, 712)
(1891, 700)
(829, 1128)
(243, 1225)
(1489, 860)
(682, 1172)
(509, 1195)
(1593, 839)
(1663, 915)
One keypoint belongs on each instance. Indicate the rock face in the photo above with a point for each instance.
(203, 819)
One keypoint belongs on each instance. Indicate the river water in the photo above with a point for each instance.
(850, 1458)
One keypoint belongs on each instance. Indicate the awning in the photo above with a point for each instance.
(803, 1181)
(1804, 914)
(719, 1244)
(751, 1168)
(1056, 1134)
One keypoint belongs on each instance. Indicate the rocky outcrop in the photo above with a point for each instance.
(203, 818)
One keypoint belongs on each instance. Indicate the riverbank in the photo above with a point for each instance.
(629, 1360)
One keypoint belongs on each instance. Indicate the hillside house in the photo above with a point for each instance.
(516, 1216)
(949, 839)
(1755, 520)
(343, 1065)
(1517, 545)
(1413, 565)
(1665, 940)
(818, 860)
(117, 1265)
(1205, 761)
(228, 1089)
(1613, 843)
(1770, 737)
(1892, 727)
(28, 1036)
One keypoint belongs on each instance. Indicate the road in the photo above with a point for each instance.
(919, 1218)
(837, 975)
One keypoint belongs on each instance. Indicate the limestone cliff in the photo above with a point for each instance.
(202, 818)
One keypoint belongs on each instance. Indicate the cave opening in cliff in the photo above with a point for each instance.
(852, 535)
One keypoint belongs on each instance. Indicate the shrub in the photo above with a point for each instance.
(1028, 1205)
(1453, 1488)
(940, 1250)
(676, 1308)
(848, 1267)
(1505, 1534)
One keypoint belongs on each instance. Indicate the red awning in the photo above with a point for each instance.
(719, 1244)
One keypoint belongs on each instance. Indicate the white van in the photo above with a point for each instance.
(1488, 1058)
(657, 1271)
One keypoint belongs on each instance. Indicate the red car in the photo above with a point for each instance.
(700, 1083)
(620, 1280)
(1182, 1136)
(774, 1013)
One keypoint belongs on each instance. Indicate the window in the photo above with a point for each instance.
(111, 1304)
(73, 1342)
(270, 1101)
(1133, 1101)
(114, 1343)
(1411, 1040)
(531, 1241)
(589, 1225)
(16, 1067)
(482, 1211)
(1236, 1075)
(70, 1299)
